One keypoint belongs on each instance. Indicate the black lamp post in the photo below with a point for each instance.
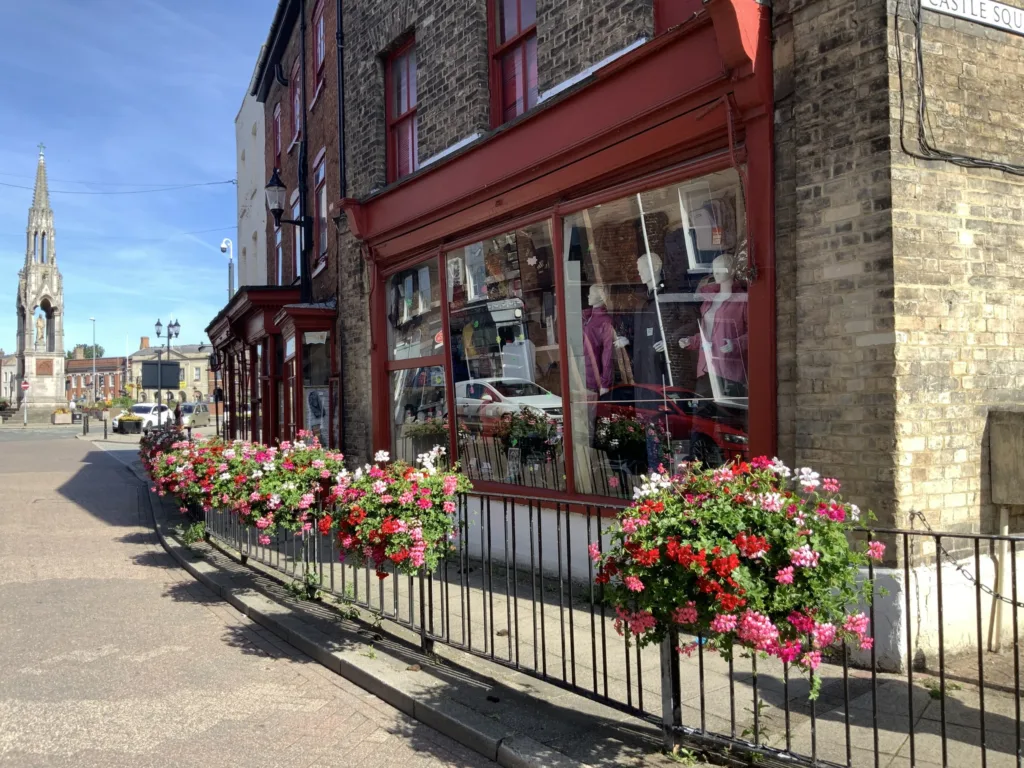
(215, 367)
(277, 194)
(172, 333)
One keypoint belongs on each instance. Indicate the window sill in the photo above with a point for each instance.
(294, 144)
(320, 267)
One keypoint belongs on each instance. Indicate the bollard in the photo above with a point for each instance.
(104, 429)
(189, 430)
(85, 424)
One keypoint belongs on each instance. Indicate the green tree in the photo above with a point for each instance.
(88, 350)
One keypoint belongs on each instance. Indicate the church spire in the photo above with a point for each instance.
(41, 194)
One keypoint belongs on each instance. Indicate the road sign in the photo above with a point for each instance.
(24, 386)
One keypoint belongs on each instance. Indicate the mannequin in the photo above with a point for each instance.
(599, 342)
(722, 338)
(649, 358)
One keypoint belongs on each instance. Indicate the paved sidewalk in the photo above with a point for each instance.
(113, 657)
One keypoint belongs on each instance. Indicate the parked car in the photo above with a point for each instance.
(480, 403)
(151, 413)
(714, 431)
(196, 415)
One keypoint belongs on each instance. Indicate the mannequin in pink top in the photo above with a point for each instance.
(722, 336)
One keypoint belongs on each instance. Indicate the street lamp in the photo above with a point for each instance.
(277, 193)
(226, 246)
(172, 333)
(93, 359)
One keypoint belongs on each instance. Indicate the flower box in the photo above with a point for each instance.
(60, 418)
(130, 427)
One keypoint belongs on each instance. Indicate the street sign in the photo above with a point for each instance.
(24, 386)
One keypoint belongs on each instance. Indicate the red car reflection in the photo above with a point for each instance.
(715, 432)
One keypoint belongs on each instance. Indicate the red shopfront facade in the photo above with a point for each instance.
(588, 292)
(278, 364)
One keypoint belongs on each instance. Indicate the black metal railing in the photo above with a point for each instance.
(940, 685)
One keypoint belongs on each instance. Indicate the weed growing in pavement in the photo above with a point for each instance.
(193, 533)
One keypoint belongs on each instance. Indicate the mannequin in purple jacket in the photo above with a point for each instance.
(599, 342)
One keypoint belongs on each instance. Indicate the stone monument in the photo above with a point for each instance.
(40, 303)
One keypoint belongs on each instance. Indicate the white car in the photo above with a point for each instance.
(480, 403)
(150, 412)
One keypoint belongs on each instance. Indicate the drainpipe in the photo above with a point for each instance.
(305, 282)
(343, 191)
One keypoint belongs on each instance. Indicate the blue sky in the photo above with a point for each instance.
(137, 92)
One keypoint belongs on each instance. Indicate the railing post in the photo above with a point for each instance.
(426, 643)
(671, 706)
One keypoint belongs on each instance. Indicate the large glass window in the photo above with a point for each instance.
(316, 379)
(419, 412)
(505, 358)
(414, 312)
(656, 315)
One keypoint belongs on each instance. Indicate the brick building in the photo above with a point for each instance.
(276, 384)
(110, 377)
(714, 211)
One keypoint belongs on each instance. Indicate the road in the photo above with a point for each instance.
(111, 656)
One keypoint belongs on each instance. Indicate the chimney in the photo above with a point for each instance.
(79, 352)
(144, 342)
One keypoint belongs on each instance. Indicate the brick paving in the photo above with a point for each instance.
(114, 657)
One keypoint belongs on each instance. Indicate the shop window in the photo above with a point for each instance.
(414, 312)
(419, 412)
(401, 98)
(316, 376)
(505, 359)
(656, 309)
(513, 58)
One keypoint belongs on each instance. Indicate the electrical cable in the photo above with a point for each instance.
(125, 192)
(927, 150)
(97, 183)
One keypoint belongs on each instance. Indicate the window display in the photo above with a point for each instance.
(505, 359)
(316, 372)
(419, 412)
(656, 313)
(414, 312)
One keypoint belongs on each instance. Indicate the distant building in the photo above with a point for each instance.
(8, 377)
(251, 246)
(194, 381)
(110, 377)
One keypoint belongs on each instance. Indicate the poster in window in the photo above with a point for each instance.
(318, 412)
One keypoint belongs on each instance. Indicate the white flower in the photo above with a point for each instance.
(225, 476)
(269, 466)
(299, 445)
(532, 261)
(358, 474)
(257, 474)
(229, 453)
(808, 479)
(854, 512)
(770, 502)
(651, 485)
(382, 456)
(779, 468)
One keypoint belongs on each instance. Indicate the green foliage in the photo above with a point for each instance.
(193, 533)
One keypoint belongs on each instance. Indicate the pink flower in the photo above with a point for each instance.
(757, 630)
(830, 484)
(633, 584)
(407, 498)
(325, 474)
(867, 643)
(613, 482)
(318, 464)
(788, 651)
(264, 539)
(823, 635)
(595, 551)
(876, 550)
(262, 523)
(629, 525)
(800, 622)
(785, 575)
(450, 484)
(724, 622)
(770, 502)
(685, 614)
(449, 507)
(857, 624)
(425, 503)
(723, 475)
(811, 660)
(379, 487)
(804, 557)
(387, 498)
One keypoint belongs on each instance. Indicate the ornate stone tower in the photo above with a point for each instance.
(40, 306)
